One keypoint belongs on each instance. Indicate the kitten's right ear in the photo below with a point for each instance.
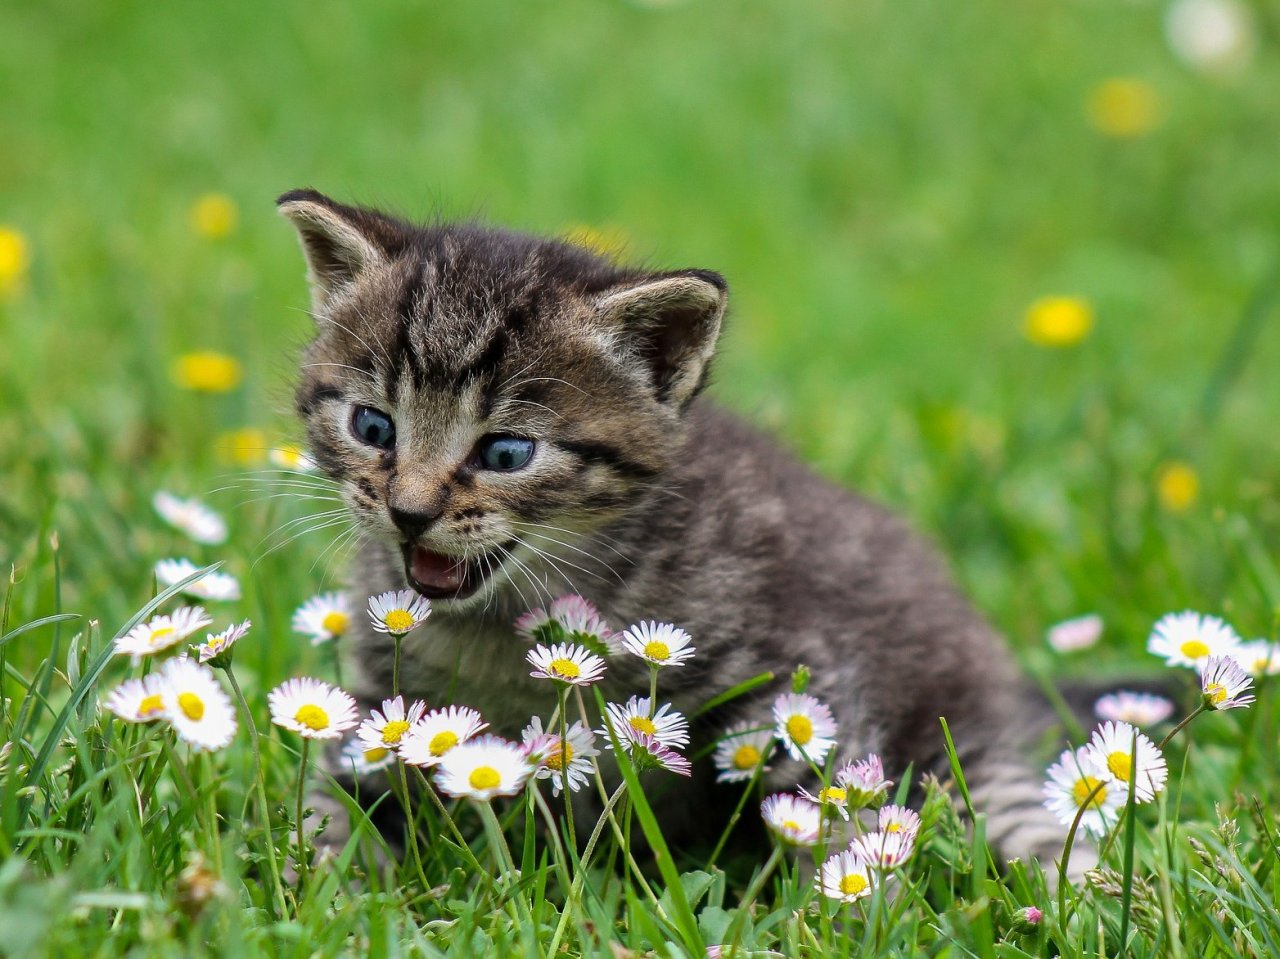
(340, 242)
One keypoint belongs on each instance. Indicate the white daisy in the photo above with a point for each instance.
(1073, 634)
(792, 819)
(137, 700)
(898, 819)
(660, 644)
(1259, 658)
(290, 457)
(1216, 36)
(885, 850)
(1112, 746)
(214, 647)
(632, 719)
(324, 618)
(432, 737)
(191, 517)
(565, 663)
(162, 632)
(569, 619)
(553, 762)
(649, 752)
(387, 729)
(835, 796)
(1188, 639)
(741, 750)
(846, 877)
(398, 611)
(214, 587)
(865, 781)
(482, 769)
(1073, 779)
(361, 760)
(804, 726)
(199, 709)
(1223, 683)
(312, 709)
(1141, 709)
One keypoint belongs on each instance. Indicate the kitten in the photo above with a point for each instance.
(511, 418)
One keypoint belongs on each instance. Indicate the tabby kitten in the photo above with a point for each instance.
(511, 418)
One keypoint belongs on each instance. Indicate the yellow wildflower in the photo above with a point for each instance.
(243, 447)
(607, 241)
(1123, 107)
(207, 371)
(1177, 486)
(1058, 321)
(214, 216)
(15, 257)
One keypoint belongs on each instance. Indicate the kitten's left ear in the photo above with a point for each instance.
(671, 321)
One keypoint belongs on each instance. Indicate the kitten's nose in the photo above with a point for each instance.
(413, 523)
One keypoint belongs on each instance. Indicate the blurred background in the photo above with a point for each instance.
(1010, 267)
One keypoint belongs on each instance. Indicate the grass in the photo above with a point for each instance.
(886, 186)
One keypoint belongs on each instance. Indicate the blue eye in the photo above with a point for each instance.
(373, 427)
(505, 453)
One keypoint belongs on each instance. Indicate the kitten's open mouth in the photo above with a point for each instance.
(440, 576)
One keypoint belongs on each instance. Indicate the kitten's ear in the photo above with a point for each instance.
(672, 322)
(340, 242)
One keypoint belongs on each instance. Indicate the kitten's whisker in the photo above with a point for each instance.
(537, 405)
(341, 542)
(343, 366)
(583, 552)
(275, 547)
(539, 589)
(363, 341)
(552, 559)
(549, 379)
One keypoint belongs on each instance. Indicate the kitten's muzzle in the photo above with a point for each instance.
(414, 524)
(441, 576)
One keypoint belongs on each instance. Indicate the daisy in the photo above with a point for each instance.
(191, 517)
(792, 819)
(312, 709)
(633, 719)
(885, 850)
(565, 663)
(1112, 746)
(137, 700)
(1188, 639)
(398, 612)
(214, 647)
(837, 797)
(363, 760)
(1072, 780)
(865, 781)
(214, 587)
(482, 769)
(431, 738)
(554, 762)
(846, 876)
(324, 618)
(740, 751)
(290, 457)
(660, 644)
(583, 623)
(199, 709)
(804, 726)
(1223, 683)
(899, 819)
(649, 752)
(1072, 634)
(386, 729)
(1141, 709)
(1259, 657)
(161, 632)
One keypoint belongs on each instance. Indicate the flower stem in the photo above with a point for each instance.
(412, 825)
(742, 802)
(1182, 725)
(749, 897)
(303, 866)
(264, 810)
(1066, 849)
(564, 766)
(472, 861)
(395, 666)
(576, 892)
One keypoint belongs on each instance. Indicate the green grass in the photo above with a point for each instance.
(886, 187)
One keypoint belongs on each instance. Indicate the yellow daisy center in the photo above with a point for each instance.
(800, 729)
(398, 621)
(159, 634)
(790, 825)
(657, 650)
(312, 716)
(335, 623)
(643, 724)
(559, 757)
(151, 705)
(1216, 692)
(1194, 649)
(565, 668)
(441, 743)
(833, 794)
(484, 777)
(393, 730)
(1084, 786)
(852, 884)
(1121, 765)
(893, 827)
(746, 757)
(192, 706)
(1260, 665)
(376, 754)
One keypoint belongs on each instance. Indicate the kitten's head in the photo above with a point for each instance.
(480, 395)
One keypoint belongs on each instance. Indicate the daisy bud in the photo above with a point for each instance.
(800, 679)
(1026, 921)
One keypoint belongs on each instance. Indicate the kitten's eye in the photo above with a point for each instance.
(505, 453)
(373, 427)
